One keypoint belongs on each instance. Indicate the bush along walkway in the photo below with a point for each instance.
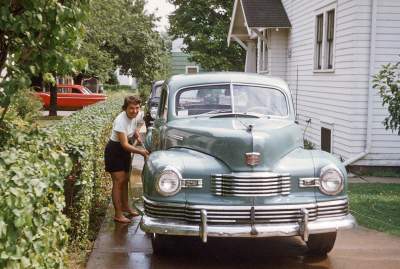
(37, 218)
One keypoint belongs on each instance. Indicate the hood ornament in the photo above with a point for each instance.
(252, 158)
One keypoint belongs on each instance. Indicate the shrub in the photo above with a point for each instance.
(26, 105)
(34, 166)
(387, 82)
(84, 135)
(32, 170)
(308, 144)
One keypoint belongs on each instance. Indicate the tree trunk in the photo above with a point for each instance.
(53, 101)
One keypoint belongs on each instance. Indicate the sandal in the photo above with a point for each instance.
(131, 214)
(122, 220)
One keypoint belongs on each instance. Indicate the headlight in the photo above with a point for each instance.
(153, 112)
(168, 182)
(331, 180)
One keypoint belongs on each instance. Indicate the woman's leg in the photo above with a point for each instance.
(117, 195)
(125, 197)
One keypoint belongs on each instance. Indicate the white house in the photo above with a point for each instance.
(126, 80)
(327, 51)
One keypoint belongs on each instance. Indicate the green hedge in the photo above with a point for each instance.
(84, 135)
(32, 228)
(36, 165)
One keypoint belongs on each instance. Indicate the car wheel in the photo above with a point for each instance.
(320, 244)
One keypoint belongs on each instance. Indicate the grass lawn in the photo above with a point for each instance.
(376, 206)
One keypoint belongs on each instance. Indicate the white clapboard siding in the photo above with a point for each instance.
(339, 99)
(278, 53)
(385, 148)
(336, 99)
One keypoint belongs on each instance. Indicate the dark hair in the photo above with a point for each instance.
(131, 100)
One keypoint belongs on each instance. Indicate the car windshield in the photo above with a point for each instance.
(86, 90)
(244, 99)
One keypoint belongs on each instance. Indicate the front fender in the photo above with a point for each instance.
(148, 139)
(322, 159)
(190, 163)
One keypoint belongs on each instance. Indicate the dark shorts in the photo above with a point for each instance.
(116, 158)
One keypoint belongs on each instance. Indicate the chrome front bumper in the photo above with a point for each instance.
(203, 230)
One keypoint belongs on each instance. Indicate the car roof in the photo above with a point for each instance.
(179, 81)
(158, 82)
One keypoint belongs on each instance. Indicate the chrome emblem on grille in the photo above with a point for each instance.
(253, 158)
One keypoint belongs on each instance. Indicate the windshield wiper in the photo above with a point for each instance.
(232, 114)
(218, 111)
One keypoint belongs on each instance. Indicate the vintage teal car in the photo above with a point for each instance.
(228, 161)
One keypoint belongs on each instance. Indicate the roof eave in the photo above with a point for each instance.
(235, 7)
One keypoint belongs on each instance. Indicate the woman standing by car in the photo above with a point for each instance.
(117, 155)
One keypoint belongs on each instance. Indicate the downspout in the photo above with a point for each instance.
(370, 88)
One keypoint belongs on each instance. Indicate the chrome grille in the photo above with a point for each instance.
(332, 209)
(241, 214)
(254, 184)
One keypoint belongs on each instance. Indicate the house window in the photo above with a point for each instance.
(324, 40)
(318, 45)
(326, 139)
(192, 69)
(262, 53)
(329, 38)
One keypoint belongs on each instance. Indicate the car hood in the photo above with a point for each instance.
(229, 139)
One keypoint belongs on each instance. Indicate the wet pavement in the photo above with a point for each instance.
(122, 246)
(126, 246)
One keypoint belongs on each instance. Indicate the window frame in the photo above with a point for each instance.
(327, 60)
(330, 44)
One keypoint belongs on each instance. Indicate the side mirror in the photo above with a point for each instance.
(296, 121)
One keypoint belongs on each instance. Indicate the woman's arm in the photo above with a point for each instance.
(123, 139)
(137, 134)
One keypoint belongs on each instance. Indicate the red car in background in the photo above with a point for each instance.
(71, 97)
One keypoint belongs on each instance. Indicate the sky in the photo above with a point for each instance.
(161, 8)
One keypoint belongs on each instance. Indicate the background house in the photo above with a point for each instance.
(328, 52)
(126, 80)
(180, 63)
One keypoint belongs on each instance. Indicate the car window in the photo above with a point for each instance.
(157, 91)
(86, 90)
(203, 99)
(63, 90)
(260, 100)
(74, 90)
(163, 106)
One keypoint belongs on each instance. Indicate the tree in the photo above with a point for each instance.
(120, 34)
(387, 82)
(204, 25)
(37, 37)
